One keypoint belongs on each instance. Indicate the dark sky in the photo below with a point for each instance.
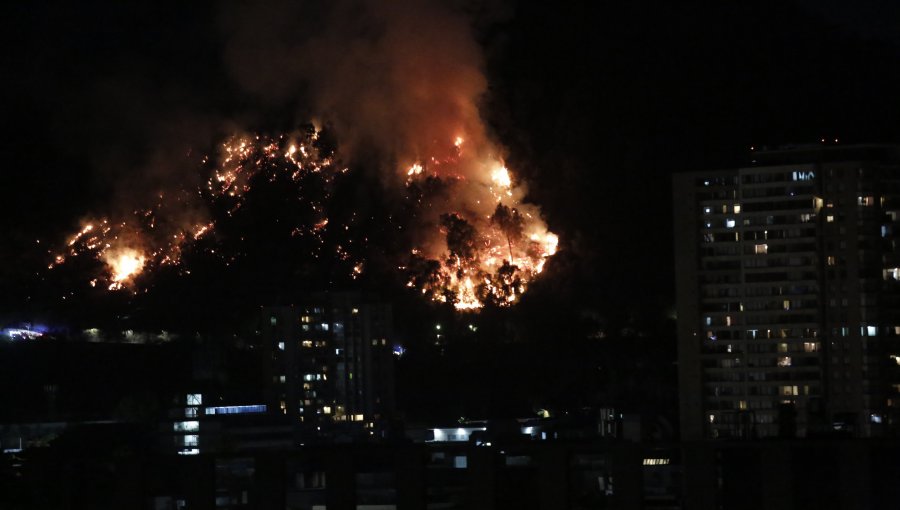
(599, 103)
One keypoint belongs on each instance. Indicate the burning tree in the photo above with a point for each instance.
(510, 223)
(460, 238)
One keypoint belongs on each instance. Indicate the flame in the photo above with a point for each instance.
(465, 296)
(124, 264)
(500, 176)
(492, 250)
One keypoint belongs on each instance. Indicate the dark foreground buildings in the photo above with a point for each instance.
(110, 467)
(788, 282)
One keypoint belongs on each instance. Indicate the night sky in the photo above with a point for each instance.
(598, 105)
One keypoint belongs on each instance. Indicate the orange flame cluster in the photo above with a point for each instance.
(129, 247)
(479, 242)
(505, 242)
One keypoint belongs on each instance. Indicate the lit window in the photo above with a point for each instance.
(829, 218)
(737, 208)
(789, 391)
(709, 321)
(784, 361)
(191, 440)
(187, 426)
(324, 326)
(273, 321)
(306, 343)
(280, 346)
(810, 346)
(782, 347)
(728, 320)
(194, 399)
(729, 223)
(761, 249)
(707, 210)
(787, 304)
(326, 409)
(830, 260)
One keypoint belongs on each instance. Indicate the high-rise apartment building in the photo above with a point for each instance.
(330, 359)
(788, 289)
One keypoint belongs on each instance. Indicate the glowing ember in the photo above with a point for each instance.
(241, 160)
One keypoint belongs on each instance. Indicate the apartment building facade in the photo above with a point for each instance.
(329, 359)
(788, 290)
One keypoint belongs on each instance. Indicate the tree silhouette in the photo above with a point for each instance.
(510, 223)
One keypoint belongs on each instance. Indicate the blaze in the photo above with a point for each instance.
(476, 242)
(500, 177)
(124, 264)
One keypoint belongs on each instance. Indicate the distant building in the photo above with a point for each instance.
(330, 360)
(788, 289)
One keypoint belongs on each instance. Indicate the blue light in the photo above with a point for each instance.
(251, 409)
(22, 334)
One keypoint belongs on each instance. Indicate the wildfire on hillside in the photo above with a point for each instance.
(476, 240)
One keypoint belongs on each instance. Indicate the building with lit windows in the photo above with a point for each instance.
(788, 289)
(330, 361)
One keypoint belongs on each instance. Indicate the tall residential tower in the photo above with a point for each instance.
(788, 289)
(329, 360)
